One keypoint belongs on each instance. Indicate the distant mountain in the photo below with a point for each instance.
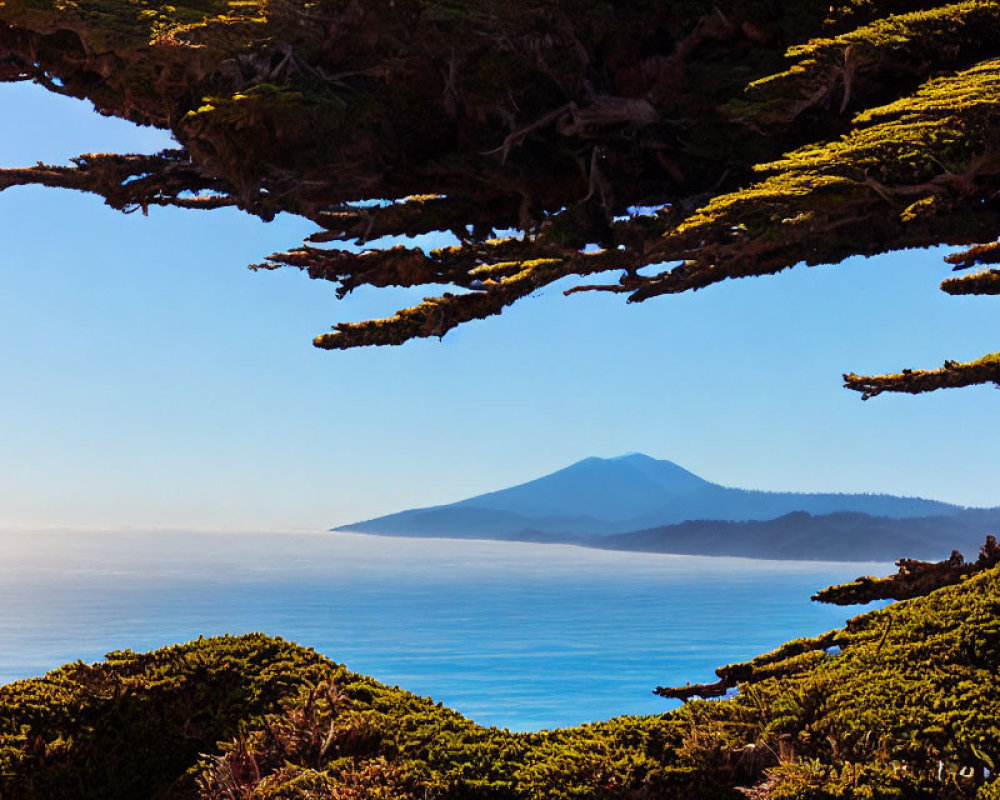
(601, 496)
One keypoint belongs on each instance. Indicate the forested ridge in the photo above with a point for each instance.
(677, 144)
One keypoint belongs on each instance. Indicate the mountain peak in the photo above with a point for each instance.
(608, 489)
(633, 458)
(625, 459)
(636, 457)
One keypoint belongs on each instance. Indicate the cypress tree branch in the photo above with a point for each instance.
(914, 578)
(980, 283)
(953, 374)
(715, 141)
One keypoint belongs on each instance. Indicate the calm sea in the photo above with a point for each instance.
(524, 636)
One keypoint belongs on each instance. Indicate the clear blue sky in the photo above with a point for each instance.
(149, 379)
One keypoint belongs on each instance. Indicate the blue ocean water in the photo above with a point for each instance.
(523, 636)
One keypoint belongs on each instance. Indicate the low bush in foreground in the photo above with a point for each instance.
(902, 703)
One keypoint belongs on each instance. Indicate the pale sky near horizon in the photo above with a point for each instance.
(151, 380)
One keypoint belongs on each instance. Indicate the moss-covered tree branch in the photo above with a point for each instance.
(718, 140)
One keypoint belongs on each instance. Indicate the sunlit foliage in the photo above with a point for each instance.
(696, 141)
(902, 703)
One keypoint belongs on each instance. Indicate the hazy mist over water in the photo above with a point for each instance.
(519, 635)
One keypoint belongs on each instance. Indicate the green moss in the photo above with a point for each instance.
(844, 69)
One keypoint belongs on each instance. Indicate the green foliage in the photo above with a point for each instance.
(855, 66)
(908, 708)
(928, 146)
(761, 134)
(131, 726)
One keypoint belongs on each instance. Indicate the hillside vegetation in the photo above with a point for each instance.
(902, 703)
